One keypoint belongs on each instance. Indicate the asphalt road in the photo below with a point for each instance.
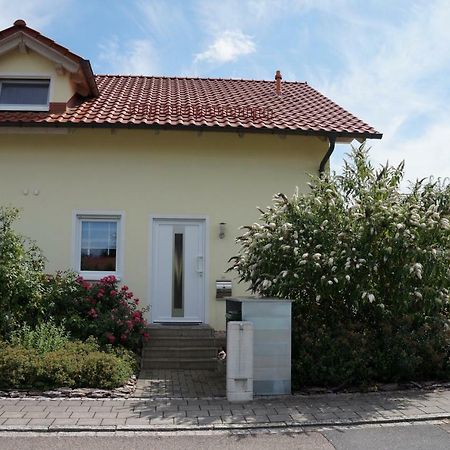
(396, 437)
(299, 441)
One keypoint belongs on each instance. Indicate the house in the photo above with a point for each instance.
(149, 178)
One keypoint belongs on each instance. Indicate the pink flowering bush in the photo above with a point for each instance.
(101, 309)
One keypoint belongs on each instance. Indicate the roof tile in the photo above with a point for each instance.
(204, 102)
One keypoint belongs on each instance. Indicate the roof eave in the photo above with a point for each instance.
(319, 133)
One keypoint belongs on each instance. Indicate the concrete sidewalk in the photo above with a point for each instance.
(164, 414)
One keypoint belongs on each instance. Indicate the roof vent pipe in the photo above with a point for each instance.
(278, 79)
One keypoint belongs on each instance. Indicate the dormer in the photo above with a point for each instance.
(37, 74)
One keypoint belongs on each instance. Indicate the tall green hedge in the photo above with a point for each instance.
(368, 266)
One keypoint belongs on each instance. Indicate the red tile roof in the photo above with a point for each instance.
(138, 101)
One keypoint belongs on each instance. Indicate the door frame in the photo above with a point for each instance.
(150, 276)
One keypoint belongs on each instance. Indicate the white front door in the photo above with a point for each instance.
(178, 288)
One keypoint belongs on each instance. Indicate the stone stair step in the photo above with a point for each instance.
(179, 352)
(161, 331)
(180, 347)
(177, 341)
(180, 363)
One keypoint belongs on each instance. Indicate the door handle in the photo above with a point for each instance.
(199, 265)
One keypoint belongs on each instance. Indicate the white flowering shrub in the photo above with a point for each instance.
(368, 268)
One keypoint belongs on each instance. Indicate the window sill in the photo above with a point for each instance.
(31, 108)
(97, 276)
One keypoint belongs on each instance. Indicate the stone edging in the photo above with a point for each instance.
(124, 391)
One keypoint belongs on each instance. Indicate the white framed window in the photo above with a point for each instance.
(98, 244)
(20, 94)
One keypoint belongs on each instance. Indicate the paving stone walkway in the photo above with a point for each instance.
(153, 414)
(180, 383)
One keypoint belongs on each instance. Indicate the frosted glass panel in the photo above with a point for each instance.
(178, 268)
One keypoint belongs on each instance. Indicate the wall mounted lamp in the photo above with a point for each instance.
(222, 230)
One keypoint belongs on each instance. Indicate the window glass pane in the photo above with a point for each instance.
(98, 245)
(18, 93)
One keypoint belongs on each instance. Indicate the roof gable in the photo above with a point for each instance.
(21, 37)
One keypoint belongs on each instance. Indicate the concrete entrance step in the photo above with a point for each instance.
(178, 346)
(180, 341)
(180, 363)
(153, 352)
(173, 330)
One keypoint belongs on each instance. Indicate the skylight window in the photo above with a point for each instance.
(24, 95)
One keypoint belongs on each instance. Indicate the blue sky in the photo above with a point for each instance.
(388, 62)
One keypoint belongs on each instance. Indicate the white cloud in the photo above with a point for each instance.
(136, 57)
(398, 82)
(161, 19)
(227, 47)
(427, 155)
(252, 18)
(243, 15)
(255, 15)
(37, 14)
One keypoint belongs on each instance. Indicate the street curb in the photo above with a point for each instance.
(219, 427)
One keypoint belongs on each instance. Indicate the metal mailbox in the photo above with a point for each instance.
(223, 288)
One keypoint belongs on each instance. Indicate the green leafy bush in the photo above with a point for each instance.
(45, 337)
(21, 273)
(101, 309)
(105, 371)
(75, 364)
(368, 268)
(19, 367)
(63, 367)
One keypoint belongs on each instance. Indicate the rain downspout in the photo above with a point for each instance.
(325, 159)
